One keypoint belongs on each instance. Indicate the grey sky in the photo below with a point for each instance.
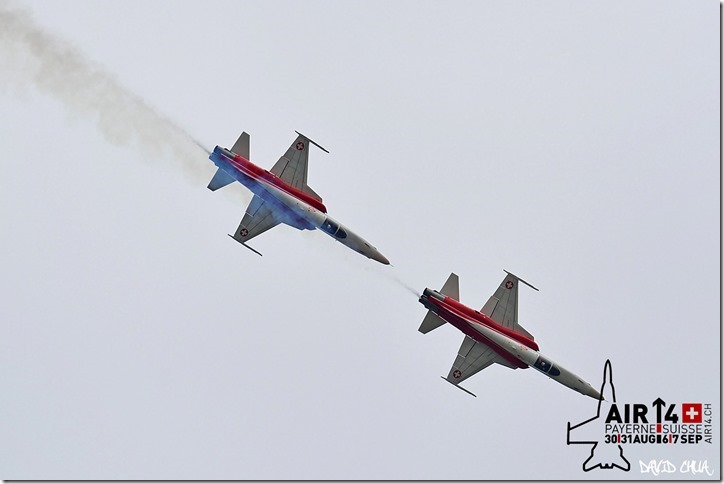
(575, 144)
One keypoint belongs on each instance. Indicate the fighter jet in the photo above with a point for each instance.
(492, 335)
(281, 195)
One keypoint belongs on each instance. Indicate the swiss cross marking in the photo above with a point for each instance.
(243, 232)
(300, 146)
(691, 412)
(457, 374)
(509, 285)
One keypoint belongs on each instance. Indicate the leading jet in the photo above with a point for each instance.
(492, 335)
(281, 195)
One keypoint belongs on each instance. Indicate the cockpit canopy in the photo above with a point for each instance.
(334, 229)
(547, 367)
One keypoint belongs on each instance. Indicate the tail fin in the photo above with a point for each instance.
(451, 289)
(241, 147)
(221, 178)
(430, 322)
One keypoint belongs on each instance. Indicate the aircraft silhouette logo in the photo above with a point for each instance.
(603, 456)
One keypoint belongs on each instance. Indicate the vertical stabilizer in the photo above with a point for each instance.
(241, 147)
(451, 288)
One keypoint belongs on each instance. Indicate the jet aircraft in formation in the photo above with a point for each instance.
(281, 195)
(492, 335)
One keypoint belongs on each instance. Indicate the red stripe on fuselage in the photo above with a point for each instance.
(480, 318)
(461, 323)
(256, 172)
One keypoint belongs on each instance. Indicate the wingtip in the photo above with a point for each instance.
(311, 141)
(521, 280)
(247, 246)
(458, 386)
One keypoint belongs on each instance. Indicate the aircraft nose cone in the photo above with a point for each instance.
(593, 393)
(380, 258)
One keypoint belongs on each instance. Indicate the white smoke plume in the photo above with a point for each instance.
(29, 55)
(408, 287)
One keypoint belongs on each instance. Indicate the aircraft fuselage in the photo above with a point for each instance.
(517, 349)
(295, 208)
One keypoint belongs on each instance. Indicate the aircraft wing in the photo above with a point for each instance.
(258, 218)
(292, 166)
(473, 356)
(502, 307)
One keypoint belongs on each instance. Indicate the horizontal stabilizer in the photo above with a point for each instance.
(220, 180)
(430, 322)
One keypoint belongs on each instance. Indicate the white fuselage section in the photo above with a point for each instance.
(314, 219)
(535, 359)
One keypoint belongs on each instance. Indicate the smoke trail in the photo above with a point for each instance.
(322, 244)
(394, 278)
(36, 57)
(406, 286)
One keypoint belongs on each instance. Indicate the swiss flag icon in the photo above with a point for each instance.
(691, 413)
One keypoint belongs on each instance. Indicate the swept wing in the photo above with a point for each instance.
(292, 166)
(473, 356)
(502, 307)
(259, 218)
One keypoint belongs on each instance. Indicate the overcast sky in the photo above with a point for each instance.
(575, 144)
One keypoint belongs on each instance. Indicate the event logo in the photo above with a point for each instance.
(655, 423)
(604, 455)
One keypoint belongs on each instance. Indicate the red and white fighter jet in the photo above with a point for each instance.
(492, 335)
(281, 196)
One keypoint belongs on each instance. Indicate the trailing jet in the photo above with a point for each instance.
(281, 195)
(492, 335)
